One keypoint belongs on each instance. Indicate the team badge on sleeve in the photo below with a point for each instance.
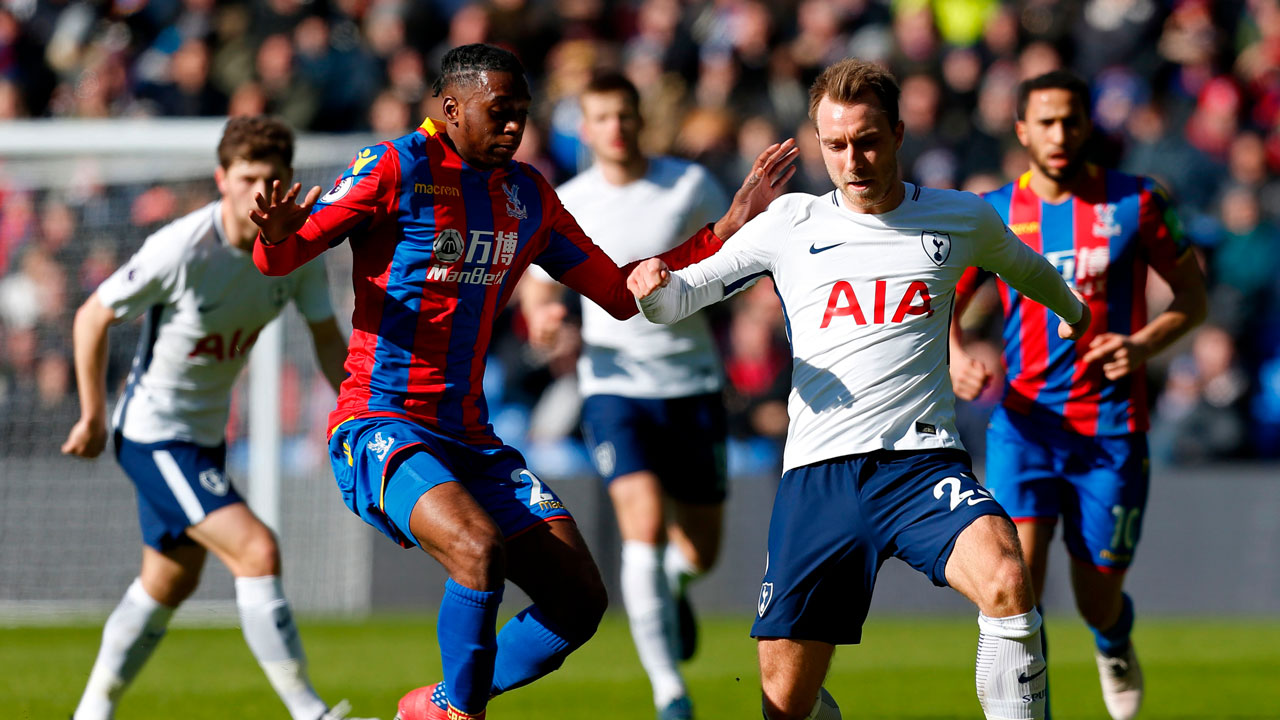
(937, 245)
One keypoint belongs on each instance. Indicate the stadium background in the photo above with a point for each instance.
(100, 144)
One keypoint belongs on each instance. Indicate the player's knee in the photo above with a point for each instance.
(780, 704)
(1099, 610)
(479, 561)
(591, 599)
(171, 589)
(1006, 590)
(258, 556)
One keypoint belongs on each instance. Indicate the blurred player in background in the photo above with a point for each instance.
(205, 304)
(443, 223)
(873, 466)
(1070, 437)
(652, 412)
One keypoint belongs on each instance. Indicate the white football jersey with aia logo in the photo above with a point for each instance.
(205, 304)
(867, 300)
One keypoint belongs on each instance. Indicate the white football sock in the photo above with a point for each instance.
(679, 571)
(651, 610)
(273, 638)
(1011, 673)
(129, 636)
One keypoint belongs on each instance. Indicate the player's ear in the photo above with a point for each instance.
(1020, 129)
(452, 110)
(220, 178)
(899, 132)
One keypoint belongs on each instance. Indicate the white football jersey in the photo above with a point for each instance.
(867, 300)
(205, 304)
(636, 358)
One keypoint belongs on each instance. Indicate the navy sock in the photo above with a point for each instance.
(529, 646)
(1114, 640)
(468, 644)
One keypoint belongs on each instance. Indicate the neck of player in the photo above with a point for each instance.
(241, 232)
(623, 172)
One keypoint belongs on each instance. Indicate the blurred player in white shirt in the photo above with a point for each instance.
(873, 466)
(205, 304)
(652, 411)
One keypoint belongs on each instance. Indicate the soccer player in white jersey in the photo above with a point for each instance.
(205, 304)
(652, 412)
(873, 466)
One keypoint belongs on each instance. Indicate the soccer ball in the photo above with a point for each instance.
(826, 707)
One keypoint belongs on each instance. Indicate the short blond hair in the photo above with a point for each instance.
(850, 78)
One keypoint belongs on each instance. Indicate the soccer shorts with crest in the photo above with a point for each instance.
(178, 484)
(835, 522)
(1098, 485)
(383, 465)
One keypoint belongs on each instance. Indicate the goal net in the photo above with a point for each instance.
(77, 198)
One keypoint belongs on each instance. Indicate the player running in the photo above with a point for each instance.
(443, 223)
(873, 466)
(205, 304)
(652, 411)
(1070, 436)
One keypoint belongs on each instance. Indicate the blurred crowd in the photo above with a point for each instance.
(1187, 91)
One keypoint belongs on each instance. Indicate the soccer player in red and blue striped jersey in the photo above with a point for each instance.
(442, 223)
(1069, 438)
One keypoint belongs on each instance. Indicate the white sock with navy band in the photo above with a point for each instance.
(1011, 673)
(129, 636)
(273, 638)
(651, 612)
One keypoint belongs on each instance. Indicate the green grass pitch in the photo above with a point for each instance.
(905, 668)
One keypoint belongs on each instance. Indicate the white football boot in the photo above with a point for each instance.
(340, 712)
(1121, 679)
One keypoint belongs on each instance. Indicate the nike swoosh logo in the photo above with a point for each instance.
(814, 249)
(1024, 678)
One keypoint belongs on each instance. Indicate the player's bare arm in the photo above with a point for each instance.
(331, 350)
(88, 437)
(770, 172)
(1121, 355)
(969, 376)
(280, 217)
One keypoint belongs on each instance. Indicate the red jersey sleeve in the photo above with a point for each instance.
(1159, 231)
(574, 260)
(362, 195)
(967, 285)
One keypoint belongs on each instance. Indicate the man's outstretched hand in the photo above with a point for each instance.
(771, 170)
(648, 276)
(279, 217)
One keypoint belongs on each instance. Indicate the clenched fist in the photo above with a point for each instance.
(648, 276)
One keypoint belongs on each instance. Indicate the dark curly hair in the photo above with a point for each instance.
(256, 137)
(462, 65)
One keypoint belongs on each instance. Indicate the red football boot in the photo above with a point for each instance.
(430, 703)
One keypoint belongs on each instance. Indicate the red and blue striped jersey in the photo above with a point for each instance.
(1102, 239)
(438, 247)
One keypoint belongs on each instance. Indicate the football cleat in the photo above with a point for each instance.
(341, 711)
(1121, 679)
(679, 709)
(686, 629)
(430, 703)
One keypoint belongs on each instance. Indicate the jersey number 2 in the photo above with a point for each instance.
(958, 497)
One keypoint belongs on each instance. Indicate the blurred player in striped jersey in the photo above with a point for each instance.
(1069, 438)
(443, 222)
(652, 411)
(204, 303)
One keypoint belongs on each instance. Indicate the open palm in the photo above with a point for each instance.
(279, 217)
(771, 170)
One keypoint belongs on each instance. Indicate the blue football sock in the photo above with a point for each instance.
(468, 643)
(529, 646)
(1115, 640)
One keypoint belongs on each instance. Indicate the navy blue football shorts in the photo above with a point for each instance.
(383, 465)
(1098, 485)
(178, 484)
(681, 440)
(835, 522)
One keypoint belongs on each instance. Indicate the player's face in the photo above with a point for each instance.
(611, 126)
(489, 117)
(860, 150)
(1054, 130)
(241, 180)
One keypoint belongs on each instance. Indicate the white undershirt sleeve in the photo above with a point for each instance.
(1026, 270)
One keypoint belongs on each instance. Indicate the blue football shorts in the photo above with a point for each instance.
(835, 522)
(363, 450)
(178, 483)
(1098, 485)
(681, 440)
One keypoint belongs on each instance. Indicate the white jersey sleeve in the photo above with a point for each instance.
(150, 277)
(1026, 270)
(311, 295)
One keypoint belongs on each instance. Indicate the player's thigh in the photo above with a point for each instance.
(638, 505)
(451, 526)
(171, 576)
(791, 672)
(822, 558)
(1103, 522)
(551, 563)
(986, 566)
(696, 529)
(240, 540)
(1024, 466)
